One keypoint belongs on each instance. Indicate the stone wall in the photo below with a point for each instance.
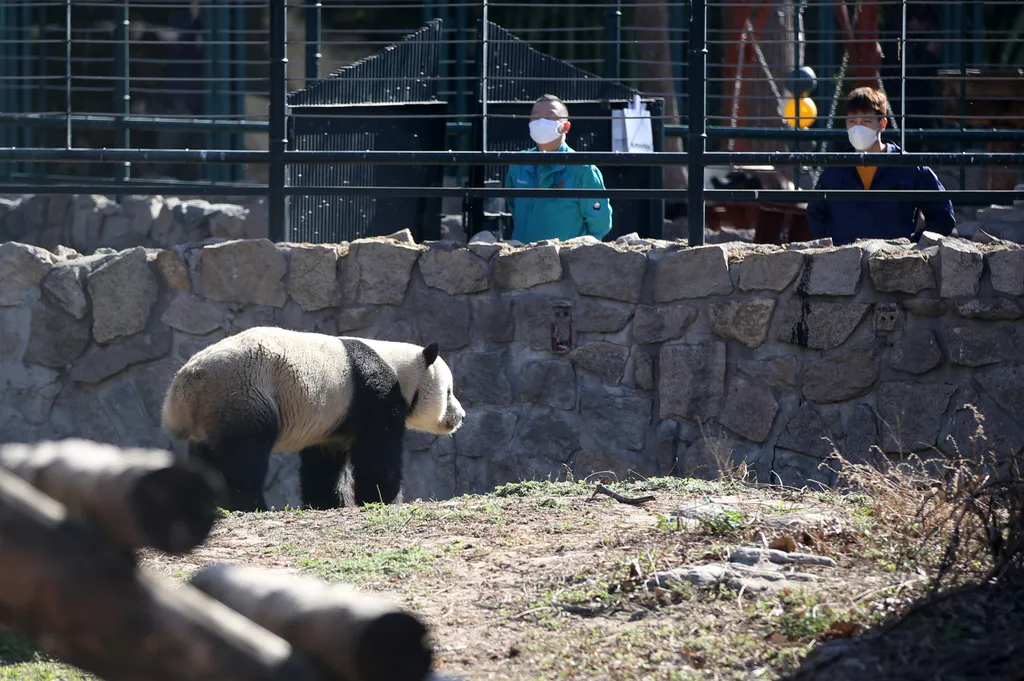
(634, 356)
(88, 222)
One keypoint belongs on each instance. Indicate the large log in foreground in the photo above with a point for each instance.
(67, 589)
(141, 497)
(356, 636)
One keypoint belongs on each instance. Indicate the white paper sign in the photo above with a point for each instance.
(639, 135)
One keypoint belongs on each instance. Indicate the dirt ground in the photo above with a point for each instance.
(547, 581)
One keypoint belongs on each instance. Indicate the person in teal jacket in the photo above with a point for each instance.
(536, 219)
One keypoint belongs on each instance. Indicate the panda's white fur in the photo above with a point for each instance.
(334, 399)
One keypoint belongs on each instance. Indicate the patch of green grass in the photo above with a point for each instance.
(384, 518)
(21, 661)
(396, 563)
(540, 488)
(14, 649)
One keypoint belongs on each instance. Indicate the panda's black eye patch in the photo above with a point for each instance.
(415, 399)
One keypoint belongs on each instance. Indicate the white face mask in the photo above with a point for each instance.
(544, 130)
(862, 137)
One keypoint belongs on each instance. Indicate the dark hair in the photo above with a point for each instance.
(866, 99)
(552, 98)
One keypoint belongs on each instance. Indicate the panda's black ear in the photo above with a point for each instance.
(430, 354)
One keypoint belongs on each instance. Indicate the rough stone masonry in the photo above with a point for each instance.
(642, 356)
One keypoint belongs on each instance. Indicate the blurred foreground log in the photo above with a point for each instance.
(141, 497)
(67, 589)
(356, 636)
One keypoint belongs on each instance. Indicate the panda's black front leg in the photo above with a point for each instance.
(244, 462)
(377, 466)
(319, 471)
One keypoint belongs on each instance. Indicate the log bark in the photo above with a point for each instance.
(140, 497)
(71, 592)
(357, 636)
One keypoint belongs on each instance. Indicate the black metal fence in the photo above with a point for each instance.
(193, 98)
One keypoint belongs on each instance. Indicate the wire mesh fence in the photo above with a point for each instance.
(174, 75)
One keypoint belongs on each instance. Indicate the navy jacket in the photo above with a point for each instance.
(848, 220)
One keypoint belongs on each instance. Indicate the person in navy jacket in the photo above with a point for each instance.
(851, 219)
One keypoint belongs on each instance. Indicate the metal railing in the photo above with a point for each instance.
(690, 47)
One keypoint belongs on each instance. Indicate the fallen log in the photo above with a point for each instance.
(356, 636)
(66, 588)
(141, 497)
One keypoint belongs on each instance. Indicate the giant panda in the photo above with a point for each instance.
(342, 402)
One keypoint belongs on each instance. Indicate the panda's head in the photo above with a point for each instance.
(434, 407)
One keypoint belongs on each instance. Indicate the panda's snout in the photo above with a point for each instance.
(454, 418)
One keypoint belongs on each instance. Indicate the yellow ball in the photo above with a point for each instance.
(808, 112)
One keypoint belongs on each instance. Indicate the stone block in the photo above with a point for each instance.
(551, 383)
(643, 370)
(63, 285)
(480, 379)
(22, 268)
(90, 211)
(1006, 268)
(189, 313)
(833, 272)
(605, 360)
(173, 271)
(976, 346)
(778, 372)
(101, 363)
(861, 441)
(527, 267)
(493, 319)
(123, 291)
(544, 440)
(926, 307)
(378, 271)
(597, 316)
(910, 414)
(691, 380)
(906, 272)
(888, 316)
(843, 376)
(962, 264)
(961, 435)
(916, 352)
(606, 270)
(660, 323)
(744, 320)
(244, 272)
(993, 309)
(769, 271)
(616, 421)
(749, 409)
(536, 317)
(313, 277)
(819, 325)
(696, 272)
(56, 339)
(456, 271)
(1005, 385)
(443, 318)
(808, 432)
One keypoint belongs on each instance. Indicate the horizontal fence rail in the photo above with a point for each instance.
(430, 99)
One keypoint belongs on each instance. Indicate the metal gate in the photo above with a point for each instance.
(385, 102)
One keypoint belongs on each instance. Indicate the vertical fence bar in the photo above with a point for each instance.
(484, 82)
(903, 76)
(208, 26)
(7, 134)
(240, 86)
(962, 51)
(313, 53)
(612, 38)
(122, 96)
(67, 73)
(697, 128)
(224, 85)
(797, 18)
(278, 141)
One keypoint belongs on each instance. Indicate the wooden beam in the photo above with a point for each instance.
(140, 497)
(67, 589)
(357, 636)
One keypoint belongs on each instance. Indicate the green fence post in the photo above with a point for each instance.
(278, 142)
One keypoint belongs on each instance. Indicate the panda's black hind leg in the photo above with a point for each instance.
(319, 473)
(243, 460)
